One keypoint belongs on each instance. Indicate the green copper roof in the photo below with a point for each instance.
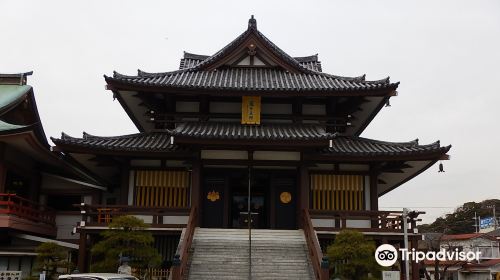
(5, 126)
(9, 94)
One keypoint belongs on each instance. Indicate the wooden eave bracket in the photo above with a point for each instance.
(445, 157)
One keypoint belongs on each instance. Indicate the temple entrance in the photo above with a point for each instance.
(225, 198)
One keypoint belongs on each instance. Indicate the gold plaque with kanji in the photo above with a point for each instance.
(250, 110)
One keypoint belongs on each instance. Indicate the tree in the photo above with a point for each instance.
(352, 256)
(462, 219)
(126, 237)
(52, 258)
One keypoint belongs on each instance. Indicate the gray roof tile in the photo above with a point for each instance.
(255, 79)
(159, 141)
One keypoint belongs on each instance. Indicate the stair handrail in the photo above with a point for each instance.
(180, 262)
(320, 263)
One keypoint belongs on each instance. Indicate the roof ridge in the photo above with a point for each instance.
(411, 143)
(188, 55)
(87, 136)
(309, 58)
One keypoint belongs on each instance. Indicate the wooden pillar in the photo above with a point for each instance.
(35, 186)
(303, 192)
(196, 186)
(82, 252)
(373, 192)
(124, 184)
(3, 177)
(374, 197)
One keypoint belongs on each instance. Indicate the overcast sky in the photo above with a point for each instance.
(446, 54)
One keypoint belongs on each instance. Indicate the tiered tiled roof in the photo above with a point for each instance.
(160, 141)
(299, 74)
(234, 131)
(252, 79)
(140, 142)
(369, 147)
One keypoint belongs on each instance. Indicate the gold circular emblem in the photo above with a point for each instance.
(213, 196)
(285, 197)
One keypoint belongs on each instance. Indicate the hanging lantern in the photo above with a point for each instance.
(441, 167)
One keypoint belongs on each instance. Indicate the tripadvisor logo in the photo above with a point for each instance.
(387, 255)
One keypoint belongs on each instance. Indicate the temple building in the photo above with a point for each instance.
(38, 187)
(249, 117)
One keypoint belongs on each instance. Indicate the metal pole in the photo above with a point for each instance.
(476, 225)
(249, 219)
(405, 231)
(494, 217)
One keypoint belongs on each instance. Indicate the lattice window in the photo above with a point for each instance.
(337, 192)
(160, 188)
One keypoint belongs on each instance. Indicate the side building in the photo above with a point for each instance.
(250, 114)
(38, 187)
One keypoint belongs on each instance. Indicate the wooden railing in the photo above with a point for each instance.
(102, 215)
(180, 263)
(11, 204)
(378, 221)
(319, 262)
(151, 273)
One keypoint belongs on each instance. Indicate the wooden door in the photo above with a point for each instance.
(213, 203)
(285, 203)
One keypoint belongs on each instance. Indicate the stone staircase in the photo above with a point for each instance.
(223, 254)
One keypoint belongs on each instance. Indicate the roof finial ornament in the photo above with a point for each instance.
(252, 23)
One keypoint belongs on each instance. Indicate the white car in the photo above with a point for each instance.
(97, 276)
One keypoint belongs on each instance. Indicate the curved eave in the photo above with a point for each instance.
(97, 150)
(12, 95)
(118, 85)
(25, 139)
(368, 157)
(85, 148)
(35, 148)
(408, 178)
(36, 129)
(128, 110)
(432, 153)
(22, 93)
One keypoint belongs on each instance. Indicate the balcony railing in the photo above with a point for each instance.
(102, 215)
(11, 204)
(374, 221)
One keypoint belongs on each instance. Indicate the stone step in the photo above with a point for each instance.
(223, 254)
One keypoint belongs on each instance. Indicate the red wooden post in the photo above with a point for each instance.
(325, 269)
(176, 268)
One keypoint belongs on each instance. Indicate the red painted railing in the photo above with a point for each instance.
(319, 262)
(180, 263)
(11, 204)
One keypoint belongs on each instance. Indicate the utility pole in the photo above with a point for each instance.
(495, 223)
(476, 222)
(249, 220)
(405, 232)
